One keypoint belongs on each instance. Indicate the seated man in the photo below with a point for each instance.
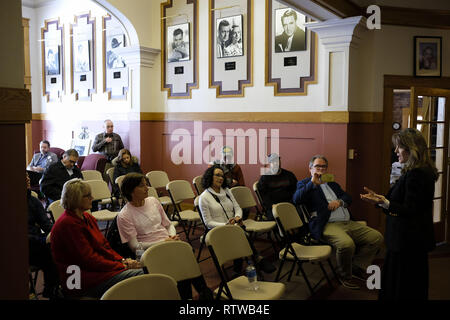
(40, 162)
(232, 171)
(278, 185)
(356, 244)
(58, 173)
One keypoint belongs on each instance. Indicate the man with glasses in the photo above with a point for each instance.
(58, 173)
(356, 244)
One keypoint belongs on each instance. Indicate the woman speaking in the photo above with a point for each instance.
(409, 231)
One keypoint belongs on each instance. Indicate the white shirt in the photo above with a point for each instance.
(213, 213)
(341, 213)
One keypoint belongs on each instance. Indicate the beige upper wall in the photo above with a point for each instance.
(11, 65)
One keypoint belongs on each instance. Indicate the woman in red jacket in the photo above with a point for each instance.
(86, 263)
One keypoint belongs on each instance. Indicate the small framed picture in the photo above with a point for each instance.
(230, 40)
(113, 59)
(427, 56)
(52, 64)
(290, 30)
(178, 43)
(81, 55)
(83, 146)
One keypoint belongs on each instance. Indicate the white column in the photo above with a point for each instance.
(339, 38)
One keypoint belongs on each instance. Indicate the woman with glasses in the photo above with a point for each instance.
(86, 263)
(409, 219)
(218, 207)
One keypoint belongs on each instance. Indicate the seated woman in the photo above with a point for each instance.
(142, 223)
(39, 250)
(218, 207)
(125, 164)
(86, 263)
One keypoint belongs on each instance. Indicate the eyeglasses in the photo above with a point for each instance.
(72, 162)
(219, 175)
(317, 166)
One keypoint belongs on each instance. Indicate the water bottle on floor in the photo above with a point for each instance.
(252, 277)
(139, 252)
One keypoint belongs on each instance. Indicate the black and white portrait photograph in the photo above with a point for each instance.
(52, 60)
(230, 37)
(290, 31)
(178, 40)
(427, 56)
(81, 56)
(113, 59)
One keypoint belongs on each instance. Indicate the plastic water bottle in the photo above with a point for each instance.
(250, 271)
(139, 251)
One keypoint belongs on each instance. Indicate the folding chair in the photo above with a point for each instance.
(227, 243)
(153, 193)
(179, 191)
(100, 192)
(203, 236)
(173, 258)
(289, 221)
(144, 287)
(55, 210)
(197, 182)
(258, 196)
(91, 175)
(159, 179)
(245, 199)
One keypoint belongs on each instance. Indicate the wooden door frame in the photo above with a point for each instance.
(392, 82)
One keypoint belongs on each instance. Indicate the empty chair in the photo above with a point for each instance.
(91, 175)
(197, 182)
(202, 237)
(159, 179)
(245, 199)
(180, 191)
(289, 221)
(176, 259)
(94, 161)
(56, 210)
(58, 151)
(144, 287)
(119, 181)
(227, 243)
(258, 196)
(110, 174)
(100, 192)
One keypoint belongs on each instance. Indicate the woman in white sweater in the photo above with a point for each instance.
(218, 207)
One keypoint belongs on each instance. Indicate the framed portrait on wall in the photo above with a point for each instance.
(82, 56)
(427, 56)
(229, 42)
(113, 59)
(290, 30)
(52, 61)
(178, 43)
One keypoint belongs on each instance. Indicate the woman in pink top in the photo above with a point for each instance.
(142, 221)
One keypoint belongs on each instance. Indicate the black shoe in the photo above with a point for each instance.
(266, 266)
(349, 283)
(359, 274)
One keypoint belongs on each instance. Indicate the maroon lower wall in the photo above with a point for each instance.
(154, 141)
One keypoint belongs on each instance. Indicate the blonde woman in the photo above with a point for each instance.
(78, 243)
(409, 219)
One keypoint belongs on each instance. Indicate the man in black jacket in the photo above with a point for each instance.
(292, 38)
(58, 173)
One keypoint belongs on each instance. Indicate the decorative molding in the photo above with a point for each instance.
(15, 105)
(248, 53)
(292, 117)
(194, 42)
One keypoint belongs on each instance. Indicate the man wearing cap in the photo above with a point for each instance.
(356, 244)
(232, 171)
(277, 185)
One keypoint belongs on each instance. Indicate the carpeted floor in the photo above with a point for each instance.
(296, 289)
